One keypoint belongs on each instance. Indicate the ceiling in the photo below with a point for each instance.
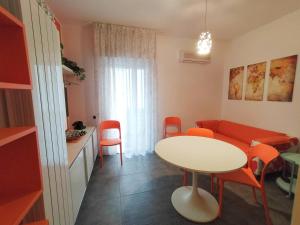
(226, 18)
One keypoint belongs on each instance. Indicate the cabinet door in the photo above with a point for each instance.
(95, 144)
(78, 182)
(89, 160)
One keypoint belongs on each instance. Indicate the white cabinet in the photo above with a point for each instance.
(81, 163)
(95, 144)
(78, 182)
(89, 159)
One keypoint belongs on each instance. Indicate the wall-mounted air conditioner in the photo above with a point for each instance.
(193, 57)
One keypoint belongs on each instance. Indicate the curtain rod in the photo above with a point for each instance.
(122, 25)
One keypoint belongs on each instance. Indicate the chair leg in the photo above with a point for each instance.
(221, 185)
(121, 154)
(254, 194)
(264, 200)
(101, 156)
(185, 178)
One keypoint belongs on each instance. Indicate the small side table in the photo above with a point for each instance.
(294, 160)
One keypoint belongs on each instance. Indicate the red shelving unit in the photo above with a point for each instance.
(44, 222)
(15, 72)
(19, 164)
(8, 135)
(14, 208)
(5, 85)
(20, 169)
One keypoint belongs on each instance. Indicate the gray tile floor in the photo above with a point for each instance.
(139, 193)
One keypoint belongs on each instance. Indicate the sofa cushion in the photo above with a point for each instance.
(243, 146)
(209, 124)
(244, 133)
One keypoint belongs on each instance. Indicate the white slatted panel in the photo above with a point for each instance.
(58, 120)
(48, 97)
(51, 104)
(39, 17)
(62, 122)
(34, 52)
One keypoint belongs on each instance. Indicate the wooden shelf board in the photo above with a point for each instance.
(5, 85)
(44, 222)
(67, 70)
(14, 208)
(7, 19)
(8, 135)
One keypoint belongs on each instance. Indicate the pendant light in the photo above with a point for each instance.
(204, 43)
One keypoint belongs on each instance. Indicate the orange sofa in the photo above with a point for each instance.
(244, 137)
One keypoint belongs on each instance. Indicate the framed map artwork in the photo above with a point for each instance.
(282, 78)
(236, 78)
(255, 81)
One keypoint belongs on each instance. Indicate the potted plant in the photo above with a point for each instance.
(77, 71)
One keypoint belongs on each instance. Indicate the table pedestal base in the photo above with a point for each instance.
(195, 203)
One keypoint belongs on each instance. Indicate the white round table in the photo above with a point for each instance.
(199, 155)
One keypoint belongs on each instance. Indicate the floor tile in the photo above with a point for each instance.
(103, 188)
(100, 212)
(148, 207)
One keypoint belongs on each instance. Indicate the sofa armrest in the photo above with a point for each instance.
(209, 124)
(275, 140)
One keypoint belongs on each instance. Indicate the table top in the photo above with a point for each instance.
(291, 157)
(200, 154)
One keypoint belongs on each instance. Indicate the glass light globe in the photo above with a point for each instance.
(204, 43)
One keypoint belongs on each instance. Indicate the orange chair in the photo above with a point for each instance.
(105, 125)
(202, 132)
(172, 121)
(245, 175)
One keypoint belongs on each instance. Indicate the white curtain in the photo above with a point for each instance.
(126, 84)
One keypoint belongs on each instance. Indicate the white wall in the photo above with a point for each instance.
(191, 91)
(275, 40)
(72, 41)
(88, 64)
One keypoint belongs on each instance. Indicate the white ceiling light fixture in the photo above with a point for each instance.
(204, 43)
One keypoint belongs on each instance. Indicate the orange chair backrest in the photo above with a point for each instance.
(173, 121)
(266, 154)
(203, 132)
(110, 124)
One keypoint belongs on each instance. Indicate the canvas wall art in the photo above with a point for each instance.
(282, 78)
(255, 81)
(236, 77)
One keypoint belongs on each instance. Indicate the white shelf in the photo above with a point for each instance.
(69, 78)
(67, 70)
